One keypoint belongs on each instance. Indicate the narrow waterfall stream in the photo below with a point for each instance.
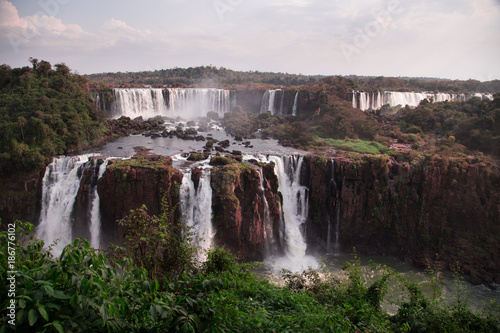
(196, 209)
(95, 213)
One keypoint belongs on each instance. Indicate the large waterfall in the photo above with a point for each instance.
(375, 100)
(196, 209)
(60, 187)
(170, 102)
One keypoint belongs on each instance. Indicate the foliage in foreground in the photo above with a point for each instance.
(81, 292)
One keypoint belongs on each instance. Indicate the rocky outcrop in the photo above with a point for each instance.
(129, 184)
(434, 211)
(243, 222)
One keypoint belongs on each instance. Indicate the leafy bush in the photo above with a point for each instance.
(157, 243)
(81, 292)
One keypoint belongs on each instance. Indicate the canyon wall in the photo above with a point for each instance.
(434, 211)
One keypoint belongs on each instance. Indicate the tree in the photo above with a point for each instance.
(21, 121)
(62, 68)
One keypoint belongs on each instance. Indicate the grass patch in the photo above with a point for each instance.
(357, 145)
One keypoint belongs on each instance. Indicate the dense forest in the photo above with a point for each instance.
(44, 111)
(210, 76)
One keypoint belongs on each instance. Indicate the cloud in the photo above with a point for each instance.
(115, 31)
(9, 16)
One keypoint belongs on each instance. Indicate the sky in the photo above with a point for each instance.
(453, 39)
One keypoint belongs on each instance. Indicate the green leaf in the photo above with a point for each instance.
(22, 303)
(53, 306)
(61, 295)
(57, 325)
(190, 301)
(43, 312)
(32, 317)
(48, 290)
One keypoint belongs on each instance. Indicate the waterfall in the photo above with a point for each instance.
(59, 189)
(333, 194)
(170, 102)
(137, 102)
(268, 101)
(295, 100)
(196, 102)
(196, 209)
(295, 212)
(375, 100)
(282, 102)
(95, 213)
(268, 223)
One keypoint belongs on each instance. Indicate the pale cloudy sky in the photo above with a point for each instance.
(456, 39)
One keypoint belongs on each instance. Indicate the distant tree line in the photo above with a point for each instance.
(203, 75)
(211, 76)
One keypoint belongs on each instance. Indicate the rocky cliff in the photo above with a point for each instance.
(129, 184)
(443, 211)
(246, 208)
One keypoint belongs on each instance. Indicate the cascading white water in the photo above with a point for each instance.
(95, 213)
(295, 212)
(59, 189)
(282, 102)
(171, 102)
(136, 102)
(268, 101)
(196, 102)
(295, 102)
(268, 224)
(196, 209)
(375, 100)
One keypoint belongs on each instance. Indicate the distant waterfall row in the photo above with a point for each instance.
(375, 100)
(187, 102)
(62, 188)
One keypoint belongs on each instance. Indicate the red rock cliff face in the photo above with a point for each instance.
(128, 184)
(20, 197)
(435, 209)
(239, 209)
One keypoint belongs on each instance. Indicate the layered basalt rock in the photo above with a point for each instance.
(129, 184)
(239, 209)
(432, 211)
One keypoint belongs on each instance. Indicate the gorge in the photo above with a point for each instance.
(266, 202)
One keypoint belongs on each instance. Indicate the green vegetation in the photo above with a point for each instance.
(43, 112)
(83, 291)
(359, 146)
(474, 124)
